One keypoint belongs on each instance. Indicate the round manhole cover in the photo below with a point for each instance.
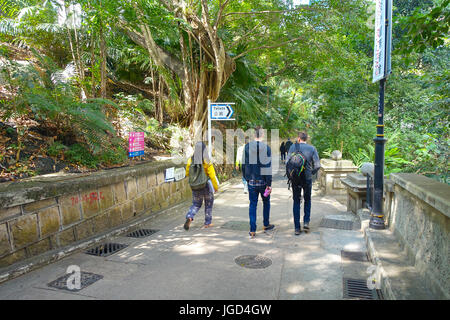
(253, 262)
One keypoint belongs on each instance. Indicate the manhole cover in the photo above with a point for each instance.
(253, 261)
(357, 289)
(141, 233)
(106, 249)
(336, 224)
(237, 225)
(86, 279)
(354, 256)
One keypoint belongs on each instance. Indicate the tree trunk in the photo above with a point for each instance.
(93, 65)
(103, 73)
(197, 87)
(290, 106)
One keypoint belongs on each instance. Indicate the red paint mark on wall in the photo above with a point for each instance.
(93, 196)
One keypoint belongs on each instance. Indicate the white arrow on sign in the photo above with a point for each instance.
(222, 111)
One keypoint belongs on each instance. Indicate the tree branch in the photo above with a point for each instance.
(243, 37)
(271, 11)
(166, 58)
(219, 15)
(166, 5)
(267, 47)
(277, 73)
(201, 44)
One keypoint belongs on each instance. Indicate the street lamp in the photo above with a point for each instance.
(381, 70)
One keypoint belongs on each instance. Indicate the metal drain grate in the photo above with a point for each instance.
(253, 262)
(142, 233)
(106, 249)
(86, 279)
(357, 289)
(354, 256)
(336, 224)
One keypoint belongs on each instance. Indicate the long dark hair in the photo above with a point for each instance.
(200, 153)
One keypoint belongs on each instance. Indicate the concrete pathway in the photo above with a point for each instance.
(200, 263)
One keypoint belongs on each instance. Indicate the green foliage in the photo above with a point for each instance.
(56, 149)
(79, 154)
(45, 100)
(427, 29)
(113, 156)
(320, 83)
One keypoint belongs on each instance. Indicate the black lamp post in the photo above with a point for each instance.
(382, 68)
(377, 215)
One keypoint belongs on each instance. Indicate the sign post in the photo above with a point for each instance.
(209, 130)
(381, 70)
(218, 111)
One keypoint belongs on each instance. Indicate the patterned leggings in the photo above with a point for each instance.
(197, 199)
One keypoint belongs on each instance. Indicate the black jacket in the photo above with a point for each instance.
(257, 162)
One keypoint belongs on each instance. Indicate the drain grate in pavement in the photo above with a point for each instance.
(236, 225)
(142, 233)
(106, 249)
(86, 279)
(357, 289)
(354, 256)
(253, 261)
(336, 224)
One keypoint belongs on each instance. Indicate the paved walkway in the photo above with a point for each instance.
(200, 263)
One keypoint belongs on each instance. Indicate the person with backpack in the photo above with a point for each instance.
(257, 170)
(203, 182)
(301, 164)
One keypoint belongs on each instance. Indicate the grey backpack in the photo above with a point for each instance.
(197, 177)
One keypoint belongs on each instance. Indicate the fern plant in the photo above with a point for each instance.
(37, 96)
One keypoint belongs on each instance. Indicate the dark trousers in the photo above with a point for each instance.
(253, 194)
(198, 196)
(306, 187)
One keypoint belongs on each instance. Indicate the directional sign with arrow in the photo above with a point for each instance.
(218, 111)
(221, 111)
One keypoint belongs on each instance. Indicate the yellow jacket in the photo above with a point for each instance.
(209, 170)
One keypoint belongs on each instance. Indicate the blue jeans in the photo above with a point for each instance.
(297, 193)
(253, 193)
(197, 199)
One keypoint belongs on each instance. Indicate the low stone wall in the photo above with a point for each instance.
(420, 218)
(51, 212)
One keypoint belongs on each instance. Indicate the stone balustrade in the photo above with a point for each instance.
(419, 216)
(331, 173)
(417, 211)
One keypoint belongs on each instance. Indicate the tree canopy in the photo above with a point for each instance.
(98, 68)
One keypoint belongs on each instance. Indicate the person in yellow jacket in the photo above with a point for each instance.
(206, 194)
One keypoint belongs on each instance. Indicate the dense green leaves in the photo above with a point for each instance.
(296, 68)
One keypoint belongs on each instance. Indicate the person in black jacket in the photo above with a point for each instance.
(257, 171)
(311, 167)
(288, 144)
(283, 151)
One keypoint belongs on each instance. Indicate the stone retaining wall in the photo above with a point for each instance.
(420, 219)
(52, 212)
